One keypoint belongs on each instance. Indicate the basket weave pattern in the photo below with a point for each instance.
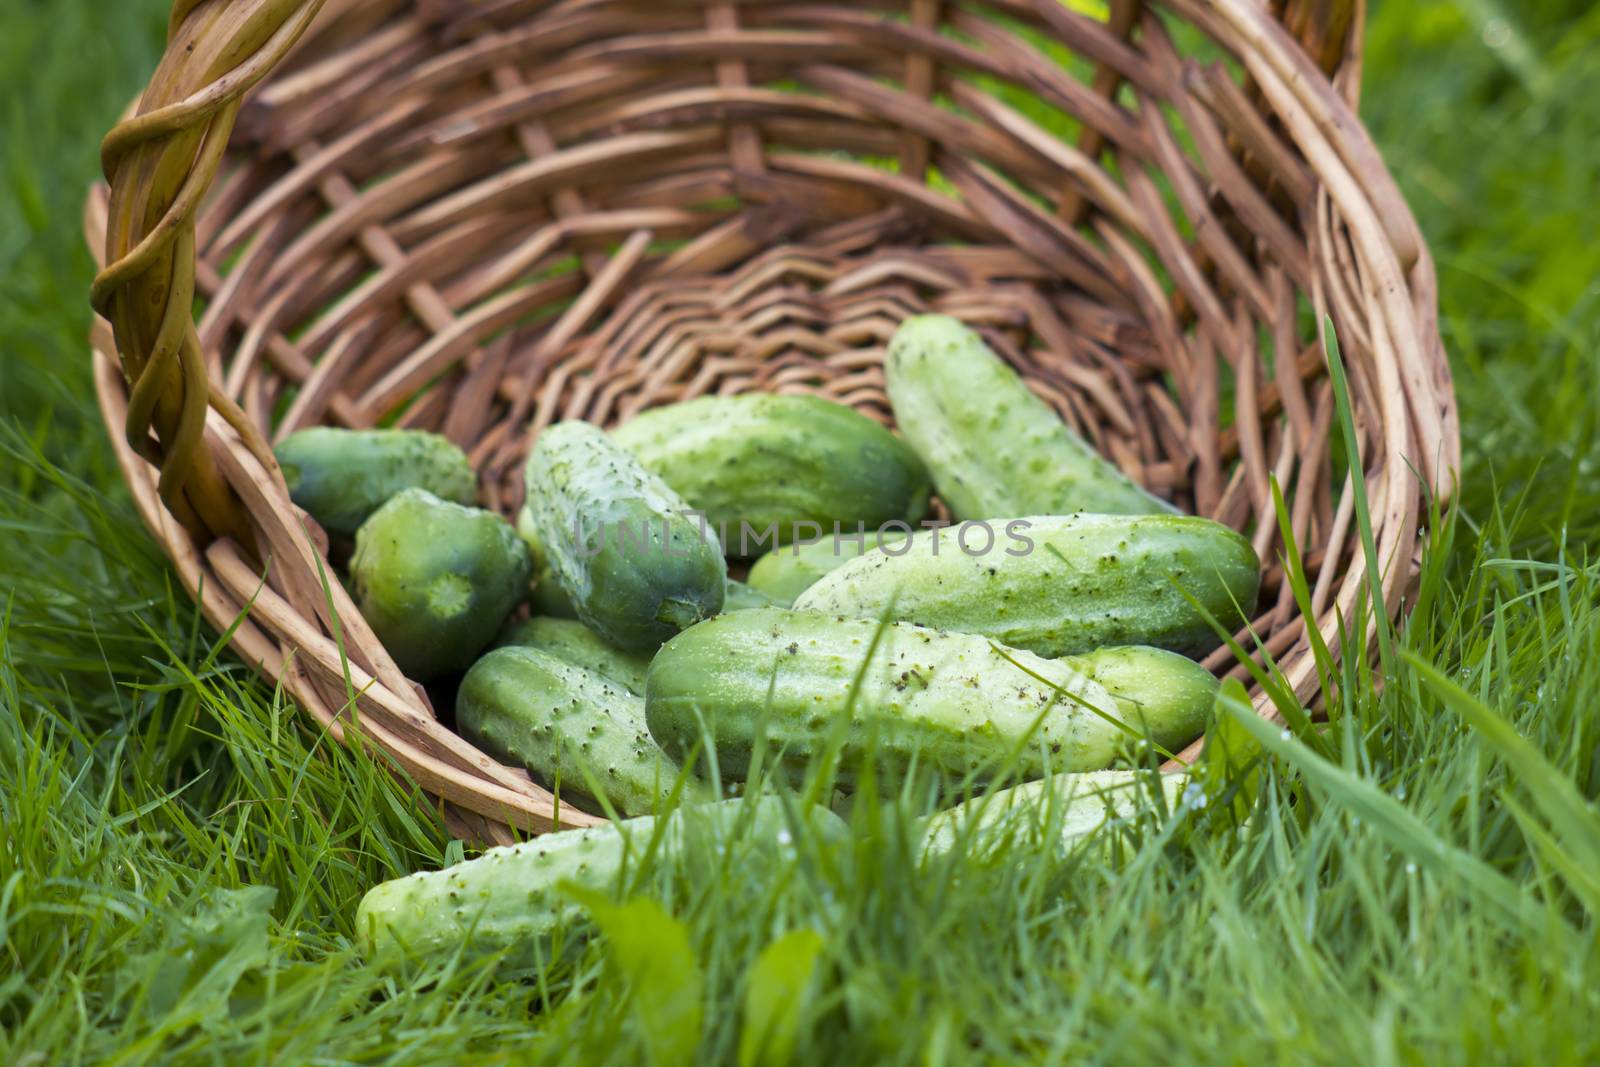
(477, 216)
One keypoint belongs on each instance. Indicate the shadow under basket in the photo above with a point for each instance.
(480, 217)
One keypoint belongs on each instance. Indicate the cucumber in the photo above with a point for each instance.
(436, 580)
(1074, 806)
(1056, 585)
(785, 573)
(511, 900)
(994, 447)
(572, 642)
(742, 597)
(645, 567)
(567, 726)
(340, 477)
(796, 465)
(952, 702)
(547, 596)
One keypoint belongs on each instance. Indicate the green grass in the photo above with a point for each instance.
(180, 856)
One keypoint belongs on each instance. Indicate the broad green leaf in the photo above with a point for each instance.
(775, 998)
(650, 951)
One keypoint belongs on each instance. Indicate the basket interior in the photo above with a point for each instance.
(478, 218)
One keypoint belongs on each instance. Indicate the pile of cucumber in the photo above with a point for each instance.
(1048, 631)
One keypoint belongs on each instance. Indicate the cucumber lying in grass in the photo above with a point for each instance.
(572, 729)
(619, 543)
(801, 682)
(1065, 807)
(994, 447)
(795, 464)
(510, 900)
(1057, 585)
(572, 642)
(436, 580)
(340, 477)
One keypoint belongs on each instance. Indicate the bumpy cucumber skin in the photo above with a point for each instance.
(509, 899)
(784, 573)
(1087, 582)
(1083, 803)
(994, 447)
(566, 725)
(765, 459)
(572, 642)
(955, 702)
(633, 596)
(436, 580)
(340, 477)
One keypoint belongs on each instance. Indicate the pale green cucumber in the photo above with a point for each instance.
(512, 900)
(994, 447)
(623, 546)
(1069, 807)
(951, 702)
(1057, 585)
(572, 729)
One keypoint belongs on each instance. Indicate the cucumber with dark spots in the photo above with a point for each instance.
(436, 580)
(947, 702)
(512, 900)
(574, 730)
(796, 464)
(623, 547)
(1059, 584)
(572, 642)
(340, 477)
(994, 447)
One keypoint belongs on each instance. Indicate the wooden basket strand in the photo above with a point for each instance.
(477, 216)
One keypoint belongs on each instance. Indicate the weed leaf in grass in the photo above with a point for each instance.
(650, 952)
(193, 974)
(775, 998)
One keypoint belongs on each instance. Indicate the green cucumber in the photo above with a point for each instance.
(1073, 806)
(952, 702)
(795, 465)
(742, 597)
(637, 565)
(994, 447)
(546, 595)
(568, 726)
(572, 642)
(340, 477)
(1056, 585)
(436, 580)
(785, 573)
(512, 900)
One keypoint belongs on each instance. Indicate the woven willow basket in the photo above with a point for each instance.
(482, 216)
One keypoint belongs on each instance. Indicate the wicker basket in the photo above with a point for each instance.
(477, 216)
